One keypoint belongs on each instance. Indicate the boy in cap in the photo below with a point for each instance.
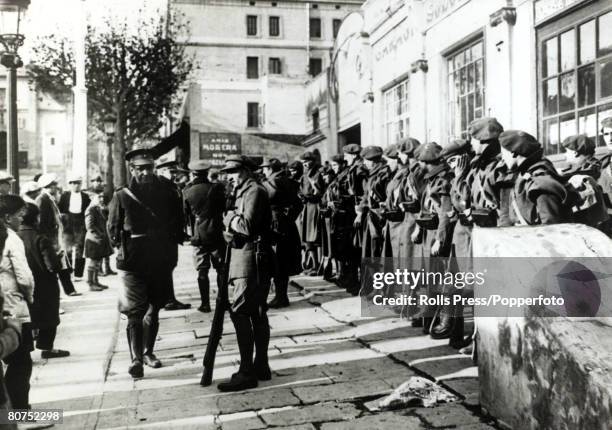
(286, 207)
(312, 188)
(248, 232)
(6, 181)
(538, 195)
(145, 223)
(205, 203)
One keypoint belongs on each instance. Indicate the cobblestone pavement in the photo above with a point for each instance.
(327, 363)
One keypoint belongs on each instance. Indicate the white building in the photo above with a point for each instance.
(255, 59)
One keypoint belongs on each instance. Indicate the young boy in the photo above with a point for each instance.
(97, 243)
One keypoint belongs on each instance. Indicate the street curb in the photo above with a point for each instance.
(111, 348)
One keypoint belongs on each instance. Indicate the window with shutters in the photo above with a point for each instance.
(274, 26)
(575, 79)
(315, 28)
(315, 66)
(251, 25)
(274, 66)
(252, 67)
(252, 115)
(336, 23)
(466, 88)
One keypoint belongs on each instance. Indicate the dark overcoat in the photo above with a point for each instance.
(44, 264)
(312, 188)
(375, 193)
(340, 208)
(97, 243)
(205, 203)
(49, 219)
(286, 207)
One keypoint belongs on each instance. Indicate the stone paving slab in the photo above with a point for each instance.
(249, 422)
(453, 414)
(381, 421)
(321, 412)
(343, 391)
(469, 388)
(257, 400)
(365, 369)
(176, 409)
(445, 365)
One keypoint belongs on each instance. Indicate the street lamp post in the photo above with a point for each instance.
(11, 14)
(109, 128)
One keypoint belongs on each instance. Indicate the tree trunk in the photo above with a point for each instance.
(109, 169)
(119, 150)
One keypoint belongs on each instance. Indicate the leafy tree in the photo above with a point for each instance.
(133, 73)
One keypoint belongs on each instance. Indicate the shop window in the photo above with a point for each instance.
(251, 25)
(466, 88)
(274, 26)
(274, 66)
(252, 67)
(576, 82)
(397, 119)
(252, 115)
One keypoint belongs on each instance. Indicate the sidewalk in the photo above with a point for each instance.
(327, 363)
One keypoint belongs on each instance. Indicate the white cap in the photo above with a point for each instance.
(74, 177)
(30, 187)
(6, 177)
(47, 179)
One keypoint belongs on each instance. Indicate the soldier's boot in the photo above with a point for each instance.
(134, 336)
(280, 293)
(458, 339)
(204, 287)
(91, 281)
(444, 323)
(245, 378)
(79, 267)
(337, 269)
(97, 281)
(261, 329)
(150, 329)
(106, 268)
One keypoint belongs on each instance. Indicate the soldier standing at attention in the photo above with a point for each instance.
(205, 204)
(248, 231)
(312, 188)
(145, 221)
(538, 195)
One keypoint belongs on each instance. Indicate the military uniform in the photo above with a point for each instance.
(248, 229)
(286, 207)
(205, 203)
(312, 188)
(538, 195)
(145, 223)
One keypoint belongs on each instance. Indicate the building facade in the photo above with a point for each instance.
(255, 60)
(427, 68)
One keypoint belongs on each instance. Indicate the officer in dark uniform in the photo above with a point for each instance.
(248, 231)
(205, 204)
(286, 207)
(538, 195)
(145, 221)
(312, 189)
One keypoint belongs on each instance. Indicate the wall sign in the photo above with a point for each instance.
(546, 8)
(214, 147)
(436, 10)
(391, 46)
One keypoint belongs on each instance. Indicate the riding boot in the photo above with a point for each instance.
(97, 281)
(444, 323)
(280, 293)
(150, 329)
(79, 267)
(261, 329)
(204, 286)
(134, 336)
(245, 377)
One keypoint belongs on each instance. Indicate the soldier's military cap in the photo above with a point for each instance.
(352, 148)
(391, 151)
(235, 162)
(139, 157)
(308, 156)
(273, 163)
(581, 143)
(6, 177)
(256, 160)
(372, 152)
(295, 165)
(607, 122)
(429, 153)
(519, 142)
(199, 166)
(167, 164)
(337, 158)
(47, 179)
(484, 129)
(408, 145)
(456, 147)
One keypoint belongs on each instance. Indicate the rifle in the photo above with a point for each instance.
(216, 329)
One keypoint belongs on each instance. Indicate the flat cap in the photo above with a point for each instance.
(456, 147)
(372, 152)
(408, 144)
(308, 156)
(295, 165)
(256, 160)
(338, 158)
(429, 153)
(273, 163)
(139, 157)
(235, 162)
(74, 177)
(607, 122)
(199, 165)
(581, 143)
(30, 187)
(167, 165)
(47, 179)
(352, 148)
(519, 142)
(485, 129)
(6, 177)
(391, 151)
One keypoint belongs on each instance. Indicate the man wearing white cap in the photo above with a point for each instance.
(6, 180)
(50, 226)
(30, 191)
(72, 206)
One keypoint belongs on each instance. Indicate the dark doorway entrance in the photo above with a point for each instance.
(350, 135)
